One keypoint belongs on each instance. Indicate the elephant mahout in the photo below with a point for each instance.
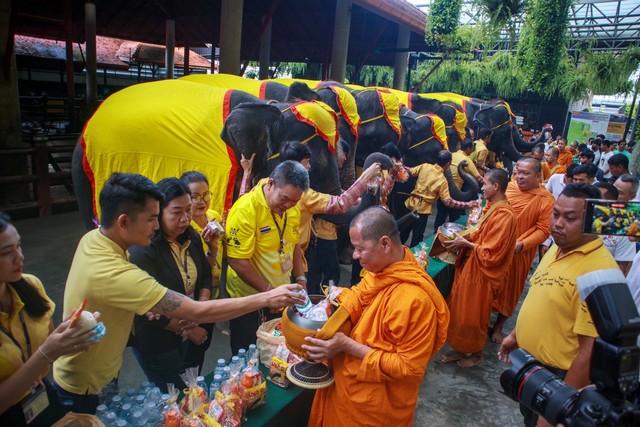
(162, 129)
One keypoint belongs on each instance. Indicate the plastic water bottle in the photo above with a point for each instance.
(151, 413)
(252, 355)
(226, 373)
(303, 308)
(146, 386)
(116, 403)
(200, 382)
(110, 419)
(137, 419)
(122, 423)
(101, 412)
(215, 385)
(125, 411)
(235, 367)
(131, 393)
(139, 399)
(219, 366)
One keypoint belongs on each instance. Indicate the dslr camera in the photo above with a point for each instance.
(615, 365)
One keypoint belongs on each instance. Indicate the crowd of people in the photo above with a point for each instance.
(153, 270)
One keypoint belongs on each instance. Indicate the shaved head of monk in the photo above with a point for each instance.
(528, 171)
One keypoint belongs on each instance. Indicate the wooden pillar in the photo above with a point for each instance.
(185, 66)
(170, 52)
(10, 125)
(340, 48)
(91, 58)
(265, 49)
(71, 82)
(400, 66)
(230, 35)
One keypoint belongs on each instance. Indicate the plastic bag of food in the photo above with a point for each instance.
(254, 388)
(279, 365)
(269, 338)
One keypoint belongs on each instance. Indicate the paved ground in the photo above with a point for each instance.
(449, 395)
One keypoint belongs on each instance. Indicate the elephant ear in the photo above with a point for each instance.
(301, 91)
(247, 130)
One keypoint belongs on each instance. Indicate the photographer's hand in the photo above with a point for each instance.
(509, 344)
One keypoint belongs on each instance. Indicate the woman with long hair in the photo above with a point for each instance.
(28, 342)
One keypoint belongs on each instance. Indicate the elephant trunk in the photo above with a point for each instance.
(511, 152)
(522, 145)
(457, 194)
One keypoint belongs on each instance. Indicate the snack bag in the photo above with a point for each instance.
(254, 388)
(194, 395)
(279, 365)
(229, 399)
(171, 412)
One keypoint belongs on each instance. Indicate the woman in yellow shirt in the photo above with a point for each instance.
(28, 342)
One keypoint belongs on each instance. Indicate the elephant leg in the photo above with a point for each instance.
(82, 188)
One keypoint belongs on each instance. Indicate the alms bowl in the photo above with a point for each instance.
(296, 328)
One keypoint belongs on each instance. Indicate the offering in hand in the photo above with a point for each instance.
(86, 321)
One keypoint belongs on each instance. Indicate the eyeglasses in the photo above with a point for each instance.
(206, 197)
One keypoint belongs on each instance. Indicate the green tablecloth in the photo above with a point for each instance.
(288, 407)
(441, 272)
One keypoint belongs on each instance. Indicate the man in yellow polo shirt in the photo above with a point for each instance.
(553, 325)
(481, 152)
(102, 275)
(263, 250)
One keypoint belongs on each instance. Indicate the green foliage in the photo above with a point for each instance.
(442, 22)
(371, 75)
(501, 15)
(295, 69)
(542, 43)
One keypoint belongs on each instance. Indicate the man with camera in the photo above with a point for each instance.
(553, 325)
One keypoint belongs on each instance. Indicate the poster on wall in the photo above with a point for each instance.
(586, 125)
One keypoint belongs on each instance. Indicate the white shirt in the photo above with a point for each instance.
(633, 280)
(603, 165)
(556, 184)
(622, 249)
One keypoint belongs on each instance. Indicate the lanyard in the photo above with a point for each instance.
(185, 266)
(26, 337)
(280, 231)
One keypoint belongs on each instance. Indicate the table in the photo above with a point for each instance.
(288, 407)
(441, 272)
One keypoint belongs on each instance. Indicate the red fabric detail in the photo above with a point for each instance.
(87, 170)
(228, 200)
(347, 118)
(263, 90)
(226, 105)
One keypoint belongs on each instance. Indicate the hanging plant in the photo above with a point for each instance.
(501, 14)
(442, 22)
(542, 43)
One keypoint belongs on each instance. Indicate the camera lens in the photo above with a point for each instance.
(536, 388)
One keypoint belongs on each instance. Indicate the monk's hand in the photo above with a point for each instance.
(519, 247)
(457, 243)
(319, 350)
(284, 296)
(509, 344)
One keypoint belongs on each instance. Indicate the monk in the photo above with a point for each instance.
(565, 155)
(399, 320)
(538, 154)
(555, 168)
(533, 205)
(482, 263)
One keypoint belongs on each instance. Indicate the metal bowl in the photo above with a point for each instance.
(312, 325)
(449, 228)
(295, 328)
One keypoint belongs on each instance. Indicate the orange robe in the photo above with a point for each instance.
(546, 172)
(565, 158)
(533, 210)
(480, 273)
(558, 169)
(402, 316)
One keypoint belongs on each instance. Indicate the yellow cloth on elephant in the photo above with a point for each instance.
(348, 108)
(161, 129)
(391, 109)
(321, 117)
(460, 124)
(230, 81)
(400, 314)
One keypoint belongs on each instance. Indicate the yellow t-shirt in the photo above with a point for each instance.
(11, 356)
(324, 229)
(552, 315)
(252, 235)
(430, 186)
(102, 274)
(480, 151)
(456, 158)
(211, 215)
(310, 204)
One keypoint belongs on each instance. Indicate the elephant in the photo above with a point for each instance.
(263, 89)
(165, 128)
